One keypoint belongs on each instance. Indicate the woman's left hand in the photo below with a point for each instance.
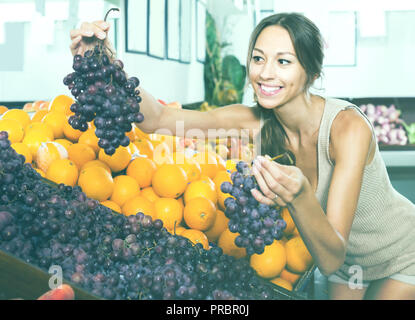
(279, 184)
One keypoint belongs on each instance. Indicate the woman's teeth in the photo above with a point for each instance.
(269, 90)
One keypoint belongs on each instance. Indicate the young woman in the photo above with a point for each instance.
(358, 229)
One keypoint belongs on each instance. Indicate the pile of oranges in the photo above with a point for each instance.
(155, 175)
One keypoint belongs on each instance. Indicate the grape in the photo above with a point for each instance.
(104, 94)
(257, 223)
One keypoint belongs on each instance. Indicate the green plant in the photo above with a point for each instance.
(410, 129)
(224, 78)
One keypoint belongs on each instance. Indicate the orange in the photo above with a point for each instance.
(117, 161)
(204, 177)
(295, 232)
(89, 138)
(61, 103)
(42, 174)
(290, 276)
(219, 225)
(42, 127)
(196, 236)
(149, 194)
(170, 211)
(190, 166)
(125, 188)
(286, 216)
(199, 213)
(80, 154)
(282, 283)
(133, 150)
(139, 133)
(138, 204)
(49, 152)
(3, 109)
(208, 163)
(142, 170)
(231, 165)
(226, 241)
(161, 153)
(299, 258)
(180, 199)
(70, 133)
(144, 146)
(96, 183)
(169, 181)
(97, 163)
(19, 115)
(24, 150)
(178, 230)
(56, 120)
(63, 171)
(271, 262)
(221, 163)
(112, 205)
(64, 143)
(38, 116)
(13, 128)
(220, 178)
(200, 188)
(34, 139)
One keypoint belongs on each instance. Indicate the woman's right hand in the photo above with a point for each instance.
(85, 37)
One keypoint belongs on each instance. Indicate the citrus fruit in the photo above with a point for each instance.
(63, 171)
(299, 258)
(117, 161)
(290, 276)
(189, 165)
(161, 153)
(64, 142)
(38, 116)
(200, 188)
(199, 213)
(112, 205)
(168, 210)
(271, 262)
(96, 183)
(286, 216)
(178, 230)
(3, 109)
(226, 241)
(19, 115)
(80, 154)
(125, 188)
(208, 163)
(169, 181)
(24, 150)
(142, 170)
(145, 147)
(138, 204)
(49, 152)
(40, 127)
(34, 139)
(149, 194)
(97, 163)
(282, 283)
(231, 165)
(42, 174)
(56, 121)
(61, 103)
(196, 236)
(89, 138)
(13, 128)
(219, 225)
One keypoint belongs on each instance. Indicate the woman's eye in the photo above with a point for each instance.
(256, 58)
(283, 61)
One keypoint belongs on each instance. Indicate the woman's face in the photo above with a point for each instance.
(274, 71)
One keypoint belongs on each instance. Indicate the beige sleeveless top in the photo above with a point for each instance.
(382, 237)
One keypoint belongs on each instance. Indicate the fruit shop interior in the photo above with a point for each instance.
(368, 61)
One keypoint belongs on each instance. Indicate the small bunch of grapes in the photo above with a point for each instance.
(257, 224)
(104, 94)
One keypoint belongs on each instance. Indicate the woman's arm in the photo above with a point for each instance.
(228, 121)
(325, 234)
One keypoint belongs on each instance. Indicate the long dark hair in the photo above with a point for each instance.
(308, 45)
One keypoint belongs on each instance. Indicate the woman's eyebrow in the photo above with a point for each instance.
(278, 53)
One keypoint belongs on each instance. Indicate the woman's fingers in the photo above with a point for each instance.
(273, 183)
(268, 196)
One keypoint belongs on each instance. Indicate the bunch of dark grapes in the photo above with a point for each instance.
(258, 224)
(104, 94)
(110, 255)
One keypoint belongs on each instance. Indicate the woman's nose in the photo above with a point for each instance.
(268, 71)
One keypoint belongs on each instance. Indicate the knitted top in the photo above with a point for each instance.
(382, 237)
